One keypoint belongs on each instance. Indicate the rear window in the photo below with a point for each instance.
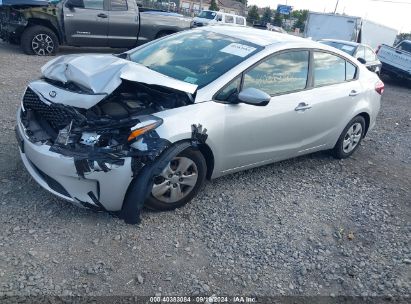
(94, 4)
(239, 20)
(405, 46)
(349, 49)
(369, 55)
(118, 5)
(229, 19)
(207, 15)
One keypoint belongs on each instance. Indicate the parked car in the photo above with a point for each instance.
(207, 17)
(362, 52)
(396, 61)
(40, 26)
(146, 127)
(274, 28)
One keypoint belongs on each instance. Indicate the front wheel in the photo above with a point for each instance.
(350, 138)
(179, 181)
(39, 40)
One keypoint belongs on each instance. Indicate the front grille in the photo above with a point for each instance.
(57, 115)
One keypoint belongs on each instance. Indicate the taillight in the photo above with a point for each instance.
(379, 87)
(378, 49)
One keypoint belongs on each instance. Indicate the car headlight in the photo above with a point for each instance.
(145, 125)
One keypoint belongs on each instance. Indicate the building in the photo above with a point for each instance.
(192, 7)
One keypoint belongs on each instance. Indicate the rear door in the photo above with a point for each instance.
(335, 92)
(123, 23)
(87, 26)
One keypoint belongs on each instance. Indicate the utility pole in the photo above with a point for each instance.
(201, 5)
(336, 6)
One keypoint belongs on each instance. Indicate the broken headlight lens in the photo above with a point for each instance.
(146, 124)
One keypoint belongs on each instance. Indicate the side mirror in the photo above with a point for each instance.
(75, 3)
(254, 97)
(362, 60)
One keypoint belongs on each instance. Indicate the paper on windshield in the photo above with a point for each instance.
(238, 49)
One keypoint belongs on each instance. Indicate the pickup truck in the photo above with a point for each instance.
(396, 61)
(41, 26)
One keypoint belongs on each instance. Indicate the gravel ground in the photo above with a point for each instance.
(308, 226)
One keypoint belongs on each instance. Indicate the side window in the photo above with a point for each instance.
(229, 91)
(94, 4)
(369, 55)
(229, 19)
(360, 52)
(281, 73)
(328, 69)
(239, 20)
(350, 71)
(118, 5)
(219, 17)
(405, 46)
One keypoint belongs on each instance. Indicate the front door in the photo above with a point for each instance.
(258, 134)
(87, 26)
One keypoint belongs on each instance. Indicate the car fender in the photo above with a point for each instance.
(177, 126)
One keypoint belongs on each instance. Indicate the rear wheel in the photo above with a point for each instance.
(350, 138)
(179, 181)
(39, 40)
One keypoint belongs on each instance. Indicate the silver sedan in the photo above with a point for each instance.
(147, 127)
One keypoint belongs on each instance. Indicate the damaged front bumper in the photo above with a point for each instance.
(58, 174)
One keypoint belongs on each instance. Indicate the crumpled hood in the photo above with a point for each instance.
(102, 74)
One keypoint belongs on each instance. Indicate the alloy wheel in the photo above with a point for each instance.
(352, 137)
(42, 44)
(176, 181)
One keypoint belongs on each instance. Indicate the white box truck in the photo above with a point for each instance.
(374, 34)
(331, 26)
(349, 28)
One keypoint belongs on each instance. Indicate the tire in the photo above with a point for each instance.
(39, 40)
(161, 202)
(350, 138)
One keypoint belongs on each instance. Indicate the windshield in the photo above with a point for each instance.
(197, 57)
(207, 15)
(349, 49)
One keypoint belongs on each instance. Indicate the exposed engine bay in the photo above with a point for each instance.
(102, 133)
(100, 112)
(108, 123)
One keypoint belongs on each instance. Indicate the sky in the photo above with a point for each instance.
(392, 13)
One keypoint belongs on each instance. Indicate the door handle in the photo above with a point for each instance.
(101, 15)
(302, 107)
(354, 93)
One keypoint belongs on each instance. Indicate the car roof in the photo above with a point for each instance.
(257, 36)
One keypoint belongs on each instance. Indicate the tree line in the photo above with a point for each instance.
(275, 18)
